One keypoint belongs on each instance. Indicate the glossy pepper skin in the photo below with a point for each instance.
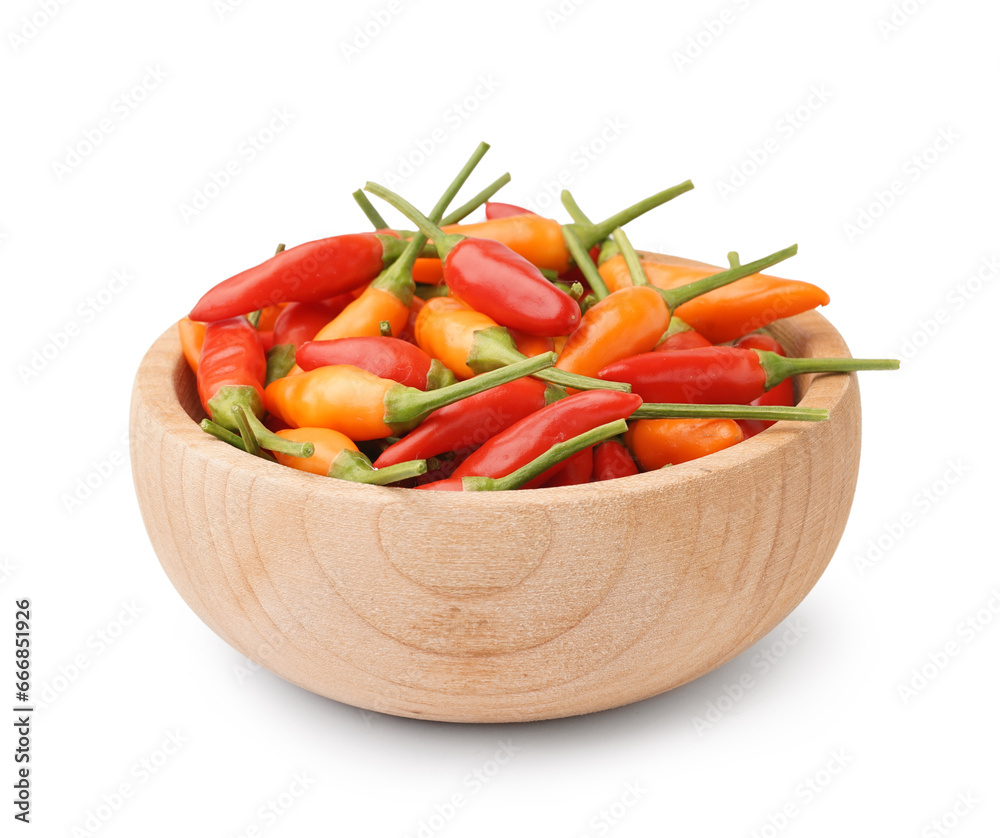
(728, 312)
(576, 470)
(611, 460)
(495, 210)
(531, 437)
(782, 394)
(361, 317)
(660, 442)
(308, 272)
(328, 444)
(625, 323)
(491, 278)
(231, 370)
(192, 336)
(471, 421)
(710, 375)
(385, 357)
(299, 322)
(444, 328)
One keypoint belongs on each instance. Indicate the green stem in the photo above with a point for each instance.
(632, 260)
(556, 454)
(734, 259)
(777, 367)
(676, 297)
(591, 234)
(652, 410)
(476, 201)
(280, 360)
(210, 427)
(675, 327)
(385, 328)
(494, 348)
(265, 439)
(428, 292)
(427, 227)
(246, 432)
(405, 407)
(368, 208)
(356, 467)
(439, 376)
(584, 262)
(609, 250)
(573, 208)
(220, 406)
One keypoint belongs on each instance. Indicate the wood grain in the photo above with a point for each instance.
(496, 607)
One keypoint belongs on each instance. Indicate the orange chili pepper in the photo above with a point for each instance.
(336, 455)
(192, 334)
(361, 318)
(728, 312)
(656, 443)
(268, 315)
(530, 345)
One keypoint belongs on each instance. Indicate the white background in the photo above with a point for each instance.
(603, 93)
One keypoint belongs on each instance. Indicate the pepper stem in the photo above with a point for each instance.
(439, 376)
(591, 234)
(263, 438)
(676, 326)
(676, 297)
(556, 454)
(356, 467)
(405, 407)
(494, 348)
(583, 261)
(210, 427)
(777, 368)
(476, 201)
(368, 208)
(652, 410)
(734, 259)
(249, 440)
(280, 360)
(632, 260)
(427, 227)
(573, 208)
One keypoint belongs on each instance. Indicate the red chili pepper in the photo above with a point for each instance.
(576, 470)
(231, 371)
(471, 421)
(385, 357)
(680, 335)
(299, 322)
(533, 435)
(494, 209)
(721, 374)
(782, 394)
(309, 272)
(611, 460)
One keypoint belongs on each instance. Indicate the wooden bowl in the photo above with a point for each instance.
(496, 607)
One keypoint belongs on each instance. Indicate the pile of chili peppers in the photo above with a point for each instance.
(517, 352)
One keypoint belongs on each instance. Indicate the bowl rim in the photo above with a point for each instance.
(163, 367)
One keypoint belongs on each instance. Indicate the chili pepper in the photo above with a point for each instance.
(192, 334)
(416, 304)
(472, 421)
(308, 272)
(725, 313)
(660, 442)
(530, 345)
(231, 370)
(528, 475)
(496, 210)
(268, 316)
(680, 335)
(575, 471)
(364, 406)
(540, 240)
(781, 394)
(388, 297)
(336, 455)
(612, 459)
(495, 280)
(721, 374)
(525, 440)
(384, 357)
(299, 322)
